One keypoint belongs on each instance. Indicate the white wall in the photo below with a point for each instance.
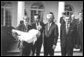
(49, 6)
(78, 6)
(14, 14)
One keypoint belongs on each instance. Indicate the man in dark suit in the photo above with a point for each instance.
(80, 29)
(81, 34)
(66, 36)
(70, 38)
(39, 26)
(63, 34)
(75, 34)
(24, 46)
(50, 36)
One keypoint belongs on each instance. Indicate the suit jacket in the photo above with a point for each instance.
(51, 35)
(75, 34)
(62, 31)
(80, 30)
(29, 27)
(66, 39)
(21, 27)
(41, 23)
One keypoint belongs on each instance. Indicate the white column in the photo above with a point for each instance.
(4, 16)
(20, 11)
(61, 6)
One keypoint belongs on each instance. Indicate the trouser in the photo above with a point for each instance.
(65, 50)
(26, 49)
(81, 42)
(48, 50)
(37, 47)
(67, 47)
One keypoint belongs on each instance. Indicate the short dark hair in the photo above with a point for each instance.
(52, 14)
(63, 13)
(21, 22)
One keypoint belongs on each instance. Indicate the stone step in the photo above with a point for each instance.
(42, 54)
(58, 48)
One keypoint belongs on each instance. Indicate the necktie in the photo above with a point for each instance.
(48, 26)
(67, 28)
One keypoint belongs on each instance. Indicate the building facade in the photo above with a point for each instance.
(14, 11)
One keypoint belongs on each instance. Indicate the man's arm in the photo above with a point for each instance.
(55, 34)
(60, 32)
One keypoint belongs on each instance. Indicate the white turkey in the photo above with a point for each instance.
(30, 36)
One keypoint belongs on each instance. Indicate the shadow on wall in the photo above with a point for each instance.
(7, 40)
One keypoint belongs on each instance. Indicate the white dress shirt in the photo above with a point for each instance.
(38, 26)
(49, 24)
(67, 27)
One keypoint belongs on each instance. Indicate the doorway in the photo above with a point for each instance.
(37, 8)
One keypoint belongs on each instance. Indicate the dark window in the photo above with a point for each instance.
(8, 18)
(5, 16)
(37, 8)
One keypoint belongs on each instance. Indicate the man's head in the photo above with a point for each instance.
(63, 14)
(80, 15)
(21, 22)
(50, 17)
(36, 17)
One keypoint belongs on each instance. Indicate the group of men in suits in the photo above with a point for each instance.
(71, 33)
(49, 36)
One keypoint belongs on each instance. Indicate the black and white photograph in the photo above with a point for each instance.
(41, 28)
